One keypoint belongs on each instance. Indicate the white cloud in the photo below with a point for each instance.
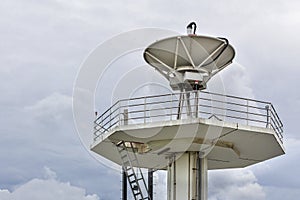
(234, 185)
(5, 195)
(47, 189)
(49, 174)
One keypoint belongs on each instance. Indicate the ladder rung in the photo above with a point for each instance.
(131, 178)
(130, 175)
(120, 143)
(123, 155)
(129, 168)
(136, 192)
(129, 162)
(134, 181)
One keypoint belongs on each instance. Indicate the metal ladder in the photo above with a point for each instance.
(134, 175)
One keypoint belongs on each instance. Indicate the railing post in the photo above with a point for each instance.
(95, 130)
(125, 116)
(119, 113)
(180, 103)
(171, 107)
(197, 103)
(145, 101)
(109, 117)
(247, 111)
(268, 116)
(188, 104)
(101, 127)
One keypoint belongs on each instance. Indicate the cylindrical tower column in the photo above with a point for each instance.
(187, 178)
(202, 178)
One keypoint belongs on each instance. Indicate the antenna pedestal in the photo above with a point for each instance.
(187, 81)
(187, 177)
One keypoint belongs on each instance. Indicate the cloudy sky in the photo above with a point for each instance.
(43, 44)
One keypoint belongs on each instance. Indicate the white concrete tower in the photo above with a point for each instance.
(189, 131)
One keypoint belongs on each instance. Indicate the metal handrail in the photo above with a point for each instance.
(231, 103)
(235, 108)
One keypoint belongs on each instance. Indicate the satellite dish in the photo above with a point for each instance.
(191, 60)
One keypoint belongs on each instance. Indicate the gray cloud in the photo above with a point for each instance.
(52, 109)
(279, 173)
(282, 193)
(43, 44)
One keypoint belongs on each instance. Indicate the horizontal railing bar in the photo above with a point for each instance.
(276, 117)
(278, 133)
(108, 110)
(207, 106)
(235, 97)
(279, 128)
(114, 117)
(216, 114)
(113, 124)
(232, 110)
(142, 104)
(174, 114)
(108, 115)
(101, 127)
(200, 98)
(243, 118)
(273, 109)
(231, 103)
(151, 96)
(192, 92)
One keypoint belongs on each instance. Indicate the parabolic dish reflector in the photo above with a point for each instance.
(190, 53)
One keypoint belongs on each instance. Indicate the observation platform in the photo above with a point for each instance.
(232, 132)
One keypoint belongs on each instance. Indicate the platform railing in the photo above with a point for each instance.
(202, 104)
